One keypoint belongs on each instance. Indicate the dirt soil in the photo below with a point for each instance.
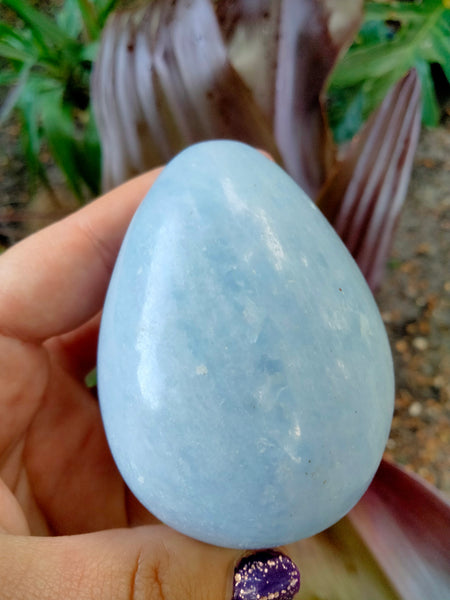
(414, 298)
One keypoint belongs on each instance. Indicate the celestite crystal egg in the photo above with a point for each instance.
(245, 377)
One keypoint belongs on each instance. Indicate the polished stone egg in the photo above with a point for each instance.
(245, 377)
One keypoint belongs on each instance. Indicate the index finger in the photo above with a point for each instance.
(55, 280)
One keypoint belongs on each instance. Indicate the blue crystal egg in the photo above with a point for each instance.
(245, 377)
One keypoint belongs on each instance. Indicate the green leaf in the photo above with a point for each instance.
(15, 93)
(90, 14)
(87, 156)
(440, 48)
(8, 78)
(31, 135)
(90, 19)
(69, 19)
(430, 107)
(89, 51)
(91, 378)
(380, 56)
(15, 38)
(104, 8)
(17, 45)
(44, 29)
(50, 69)
(17, 54)
(346, 114)
(59, 129)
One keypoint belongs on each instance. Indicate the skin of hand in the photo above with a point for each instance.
(69, 527)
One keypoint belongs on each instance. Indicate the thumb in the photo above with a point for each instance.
(146, 563)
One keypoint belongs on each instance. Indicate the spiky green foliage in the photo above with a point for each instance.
(395, 37)
(47, 65)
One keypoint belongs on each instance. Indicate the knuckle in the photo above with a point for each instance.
(152, 577)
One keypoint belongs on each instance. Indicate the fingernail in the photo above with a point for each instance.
(266, 575)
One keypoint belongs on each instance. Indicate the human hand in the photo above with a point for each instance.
(69, 527)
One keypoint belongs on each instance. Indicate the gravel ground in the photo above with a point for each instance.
(414, 300)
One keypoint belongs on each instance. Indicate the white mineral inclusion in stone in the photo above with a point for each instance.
(245, 378)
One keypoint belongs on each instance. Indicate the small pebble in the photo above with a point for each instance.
(415, 409)
(401, 346)
(420, 343)
(424, 248)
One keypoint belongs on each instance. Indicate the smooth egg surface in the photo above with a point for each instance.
(245, 377)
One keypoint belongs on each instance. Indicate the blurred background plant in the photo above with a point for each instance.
(47, 51)
(394, 37)
(47, 59)
(260, 72)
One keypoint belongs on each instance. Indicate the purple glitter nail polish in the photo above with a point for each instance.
(266, 575)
